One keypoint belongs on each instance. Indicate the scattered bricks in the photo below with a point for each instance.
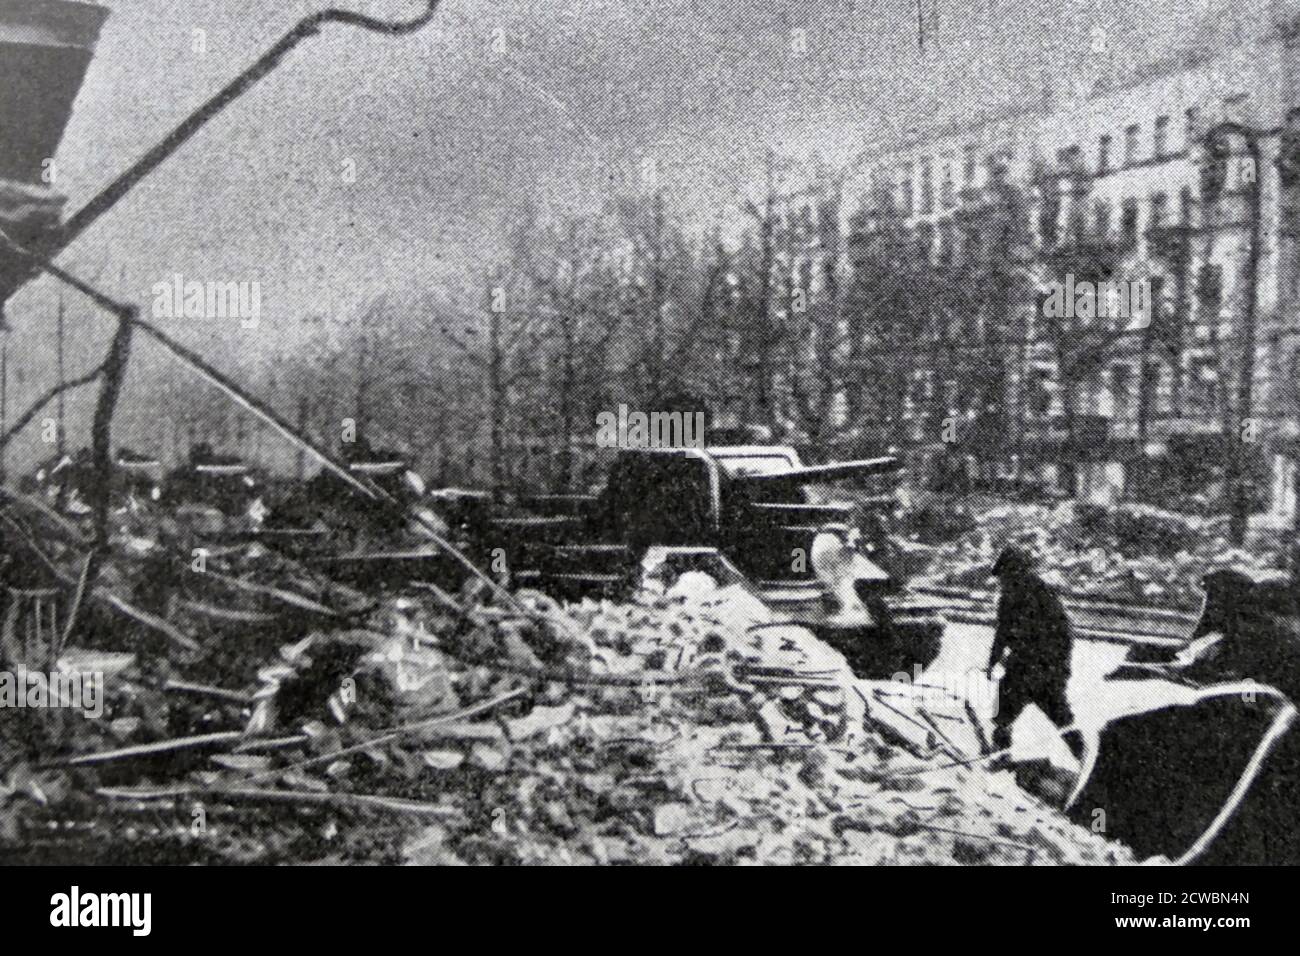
(672, 819)
(675, 735)
(443, 759)
(538, 721)
(488, 757)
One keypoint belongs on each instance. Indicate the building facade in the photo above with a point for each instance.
(1179, 182)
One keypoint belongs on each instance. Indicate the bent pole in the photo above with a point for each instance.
(108, 197)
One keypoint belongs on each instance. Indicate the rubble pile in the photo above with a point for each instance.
(299, 721)
(732, 749)
(1130, 553)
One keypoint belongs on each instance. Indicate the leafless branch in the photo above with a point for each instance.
(35, 408)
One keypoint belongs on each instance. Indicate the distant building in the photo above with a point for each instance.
(1117, 183)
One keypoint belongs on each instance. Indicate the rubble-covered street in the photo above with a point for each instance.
(1132, 553)
(682, 727)
(669, 433)
(254, 708)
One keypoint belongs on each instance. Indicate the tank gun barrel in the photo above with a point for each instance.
(832, 471)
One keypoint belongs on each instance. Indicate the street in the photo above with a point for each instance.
(965, 654)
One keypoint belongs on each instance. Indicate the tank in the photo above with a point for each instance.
(755, 510)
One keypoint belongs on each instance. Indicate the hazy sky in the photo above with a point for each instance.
(449, 137)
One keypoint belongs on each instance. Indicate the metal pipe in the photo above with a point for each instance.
(111, 194)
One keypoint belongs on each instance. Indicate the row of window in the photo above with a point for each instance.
(1049, 228)
(1197, 377)
(1133, 142)
(917, 180)
(1049, 220)
(1119, 399)
(1071, 157)
(947, 185)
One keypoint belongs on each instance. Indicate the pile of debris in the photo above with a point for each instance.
(1129, 553)
(736, 745)
(318, 724)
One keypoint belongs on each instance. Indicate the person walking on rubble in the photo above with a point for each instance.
(1033, 633)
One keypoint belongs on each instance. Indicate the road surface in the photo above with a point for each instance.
(965, 653)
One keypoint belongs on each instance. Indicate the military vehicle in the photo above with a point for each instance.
(330, 524)
(215, 493)
(65, 482)
(745, 513)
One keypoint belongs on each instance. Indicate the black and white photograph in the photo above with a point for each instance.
(677, 432)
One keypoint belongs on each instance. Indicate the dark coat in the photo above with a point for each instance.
(1032, 627)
